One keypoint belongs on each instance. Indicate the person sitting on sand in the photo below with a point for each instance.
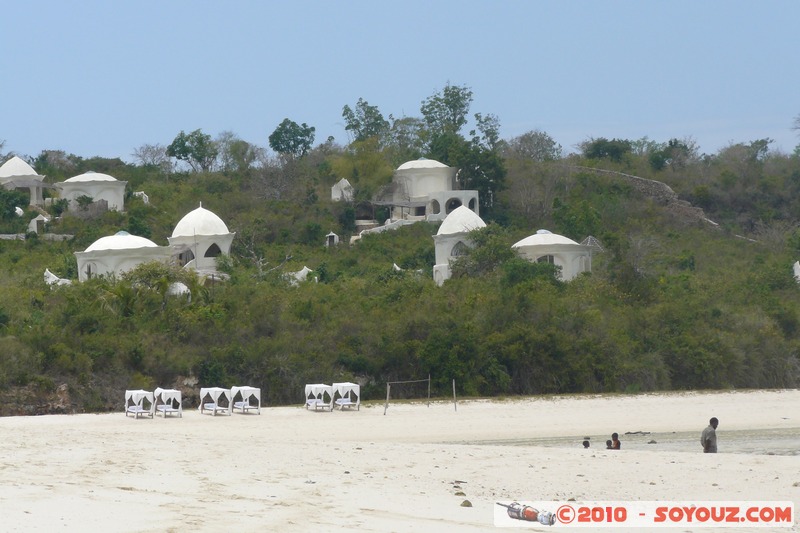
(615, 443)
(609, 445)
(708, 439)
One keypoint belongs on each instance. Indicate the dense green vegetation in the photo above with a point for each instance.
(673, 302)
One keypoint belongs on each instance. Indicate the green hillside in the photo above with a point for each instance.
(690, 292)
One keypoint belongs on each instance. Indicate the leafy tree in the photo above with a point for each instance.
(534, 145)
(364, 167)
(490, 249)
(196, 148)
(407, 138)
(365, 121)
(446, 112)
(578, 219)
(234, 153)
(602, 148)
(292, 139)
(9, 201)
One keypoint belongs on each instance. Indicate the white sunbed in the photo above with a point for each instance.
(139, 403)
(168, 402)
(210, 400)
(246, 399)
(348, 395)
(316, 396)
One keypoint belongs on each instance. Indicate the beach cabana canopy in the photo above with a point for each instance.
(246, 398)
(215, 399)
(168, 401)
(347, 395)
(319, 396)
(139, 403)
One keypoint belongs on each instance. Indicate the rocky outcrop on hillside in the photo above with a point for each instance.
(659, 192)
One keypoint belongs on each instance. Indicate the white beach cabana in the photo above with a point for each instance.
(246, 399)
(319, 396)
(215, 399)
(347, 395)
(168, 402)
(139, 403)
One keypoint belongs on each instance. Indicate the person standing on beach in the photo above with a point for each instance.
(615, 443)
(708, 439)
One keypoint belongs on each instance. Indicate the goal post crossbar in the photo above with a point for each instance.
(389, 388)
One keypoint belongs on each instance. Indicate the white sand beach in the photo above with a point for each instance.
(289, 469)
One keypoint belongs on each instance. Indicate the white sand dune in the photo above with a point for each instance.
(289, 469)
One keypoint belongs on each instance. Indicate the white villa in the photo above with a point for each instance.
(424, 189)
(95, 185)
(547, 247)
(452, 240)
(342, 191)
(198, 239)
(118, 253)
(17, 174)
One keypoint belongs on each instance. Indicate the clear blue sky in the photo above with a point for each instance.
(100, 78)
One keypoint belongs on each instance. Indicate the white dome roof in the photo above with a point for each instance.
(543, 237)
(122, 240)
(91, 176)
(16, 167)
(200, 222)
(460, 220)
(422, 163)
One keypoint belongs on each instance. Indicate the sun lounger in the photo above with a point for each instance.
(168, 402)
(319, 396)
(210, 400)
(246, 399)
(139, 403)
(347, 395)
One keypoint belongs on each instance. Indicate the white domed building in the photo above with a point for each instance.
(95, 185)
(424, 189)
(199, 238)
(17, 174)
(118, 253)
(452, 240)
(547, 247)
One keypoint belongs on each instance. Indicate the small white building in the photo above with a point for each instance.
(547, 247)
(425, 189)
(452, 240)
(118, 253)
(342, 191)
(17, 174)
(199, 238)
(95, 185)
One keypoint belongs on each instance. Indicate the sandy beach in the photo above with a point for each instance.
(289, 469)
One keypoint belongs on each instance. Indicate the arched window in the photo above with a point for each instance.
(435, 207)
(185, 257)
(453, 204)
(546, 259)
(459, 249)
(213, 251)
